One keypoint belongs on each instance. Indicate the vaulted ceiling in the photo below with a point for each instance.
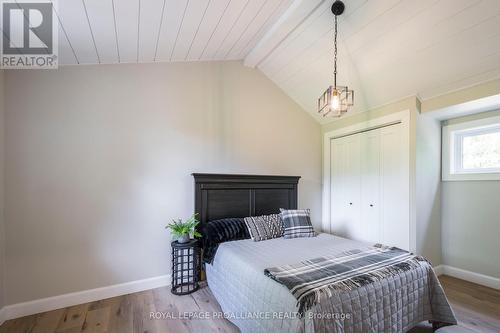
(128, 31)
(389, 49)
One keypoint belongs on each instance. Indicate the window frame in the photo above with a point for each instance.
(452, 139)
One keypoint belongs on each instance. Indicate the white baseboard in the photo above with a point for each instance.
(2, 316)
(91, 295)
(439, 270)
(484, 280)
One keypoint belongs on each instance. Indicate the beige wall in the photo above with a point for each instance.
(99, 159)
(461, 96)
(2, 220)
(470, 221)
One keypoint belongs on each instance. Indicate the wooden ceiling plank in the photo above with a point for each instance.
(149, 25)
(195, 13)
(294, 21)
(365, 16)
(316, 31)
(100, 16)
(230, 29)
(172, 20)
(258, 23)
(386, 22)
(279, 56)
(302, 40)
(127, 22)
(66, 55)
(417, 33)
(265, 27)
(215, 13)
(72, 17)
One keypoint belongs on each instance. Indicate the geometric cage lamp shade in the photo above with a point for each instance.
(335, 101)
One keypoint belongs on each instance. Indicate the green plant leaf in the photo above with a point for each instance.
(179, 228)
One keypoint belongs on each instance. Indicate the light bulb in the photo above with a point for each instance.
(335, 103)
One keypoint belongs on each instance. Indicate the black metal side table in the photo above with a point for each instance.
(186, 265)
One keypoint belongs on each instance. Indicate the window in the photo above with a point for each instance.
(471, 150)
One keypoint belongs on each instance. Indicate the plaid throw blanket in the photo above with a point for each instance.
(311, 280)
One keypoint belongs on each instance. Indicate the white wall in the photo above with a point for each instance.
(428, 187)
(471, 221)
(99, 158)
(2, 220)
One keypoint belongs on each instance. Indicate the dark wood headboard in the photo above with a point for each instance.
(221, 195)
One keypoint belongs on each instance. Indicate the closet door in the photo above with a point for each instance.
(369, 229)
(338, 186)
(346, 184)
(352, 200)
(394, 192)
(370, 186)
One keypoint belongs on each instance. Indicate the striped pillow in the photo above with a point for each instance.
(264, 227)
(297, 223)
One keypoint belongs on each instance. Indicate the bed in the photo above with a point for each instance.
(256, 303)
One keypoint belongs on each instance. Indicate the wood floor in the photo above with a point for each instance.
(477, 308)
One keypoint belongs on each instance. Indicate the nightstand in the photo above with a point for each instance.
(186, 265)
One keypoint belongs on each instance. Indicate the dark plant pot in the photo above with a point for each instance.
(183, 239)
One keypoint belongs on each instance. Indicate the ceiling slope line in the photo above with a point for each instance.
(319, 40)
(116, 31)
(65, 34)
(275, 57)
(449, 39)
(213, 31)
(254, 59)
(231, 29)
(178, 31)
(415, 17)
(312, 45)
(245, 30)
(305, 66)
(197, 30)
(159, 30)
(436, 87)
(91, 31)
(377, 38)
(266, 22)
(138, 29)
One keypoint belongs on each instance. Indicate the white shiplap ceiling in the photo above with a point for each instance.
(129, 31)
(389, 49)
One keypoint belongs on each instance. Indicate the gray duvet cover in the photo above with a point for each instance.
(256, 303)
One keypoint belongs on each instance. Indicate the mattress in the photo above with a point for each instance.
(256, 303)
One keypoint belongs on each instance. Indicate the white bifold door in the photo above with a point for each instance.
(370, 186)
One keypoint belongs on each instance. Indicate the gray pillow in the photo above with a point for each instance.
(297, 223)
(264, 227)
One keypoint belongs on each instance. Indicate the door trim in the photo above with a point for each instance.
(397, 122)
(402, 117)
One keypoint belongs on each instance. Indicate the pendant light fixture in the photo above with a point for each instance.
(336, 100)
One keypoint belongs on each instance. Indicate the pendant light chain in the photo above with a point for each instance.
(335, 100)
(335, 56)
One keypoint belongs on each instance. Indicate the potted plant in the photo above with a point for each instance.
(183, 230)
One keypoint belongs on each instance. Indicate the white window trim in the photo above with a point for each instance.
(450, 172)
